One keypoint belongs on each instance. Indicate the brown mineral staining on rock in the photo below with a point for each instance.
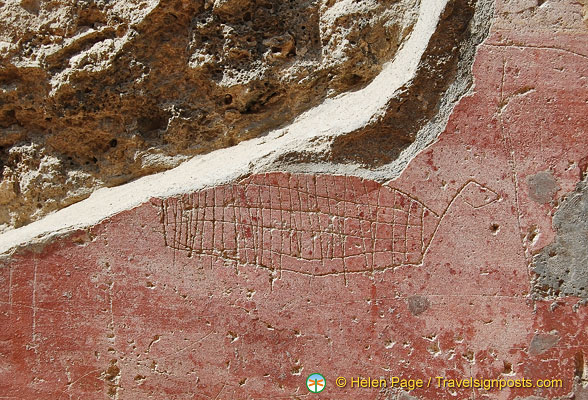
(97, 93)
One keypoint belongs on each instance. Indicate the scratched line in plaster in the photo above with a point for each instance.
(314, 225)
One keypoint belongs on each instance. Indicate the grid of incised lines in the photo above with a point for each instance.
(271, 225)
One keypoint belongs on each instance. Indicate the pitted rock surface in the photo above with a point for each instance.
(96, 93)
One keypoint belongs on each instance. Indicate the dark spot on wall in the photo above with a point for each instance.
(542, 342)
(418, 304)
(542, 187)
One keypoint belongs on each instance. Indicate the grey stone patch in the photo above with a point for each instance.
(542, 342)
(542, 187)
(561, 268)
(418, 304)
(406, 396)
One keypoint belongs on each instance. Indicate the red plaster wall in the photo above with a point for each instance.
(242, 291)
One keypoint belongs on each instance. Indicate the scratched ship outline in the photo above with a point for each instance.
(287, 222)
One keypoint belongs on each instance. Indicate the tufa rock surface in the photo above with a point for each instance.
(96, 93)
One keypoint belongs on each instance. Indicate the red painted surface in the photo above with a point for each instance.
(242, 291)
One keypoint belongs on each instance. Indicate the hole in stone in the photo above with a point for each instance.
(228, 99)
(91, 17)
(149, 124)
(247, 17)
(579, 364)
(113, 143)
(469, 355)
(552, 253)
(494, 228)
(507, 368)
(533, 234)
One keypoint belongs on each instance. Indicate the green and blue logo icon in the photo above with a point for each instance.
(316, 383)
